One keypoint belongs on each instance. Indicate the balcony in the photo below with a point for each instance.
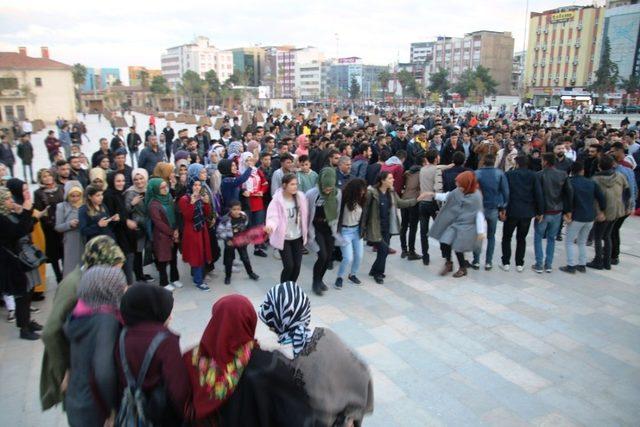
(12, 94)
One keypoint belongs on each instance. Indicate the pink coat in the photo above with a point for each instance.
(277, 218)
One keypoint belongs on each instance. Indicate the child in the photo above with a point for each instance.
(231, 224)
(307, 178)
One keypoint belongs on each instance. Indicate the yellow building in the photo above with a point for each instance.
(134, 74)
(35, 88)
(563, 53)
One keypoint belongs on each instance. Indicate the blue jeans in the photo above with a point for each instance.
(548, 229)
(351, 252)
(491, 216)
(578, 231)
(198, 275)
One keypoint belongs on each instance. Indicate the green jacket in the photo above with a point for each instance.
(56, 357)
(373, 231)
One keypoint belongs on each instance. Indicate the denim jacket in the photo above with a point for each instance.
(494, 187)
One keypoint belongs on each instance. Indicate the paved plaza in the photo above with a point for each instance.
(494, 348)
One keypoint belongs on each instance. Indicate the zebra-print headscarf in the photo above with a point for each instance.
(286, 310)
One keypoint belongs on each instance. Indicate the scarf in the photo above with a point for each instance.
(287, 311)
(198, 210)
(327, 179)
(102, 285)
(216, 365)
(243, 162)
(467, 181)
(102, 250)
(234, 150)
(98, 173)
(114, 199)
(15, 186)
(5, 195)
(153, 193)
(73, 187)
(423, 143)
(146, 303)
(139, 171)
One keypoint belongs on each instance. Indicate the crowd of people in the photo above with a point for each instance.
(316, 183)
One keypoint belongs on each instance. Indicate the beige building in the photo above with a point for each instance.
(134, 74)
(563, 53)
(35, 88)
(491, 49)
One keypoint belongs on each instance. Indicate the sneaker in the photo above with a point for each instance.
(177, 284)
(253, 276)
(260, 253)
(568, 269)
(506, 267)
(11, 317)
(581, 268)
(235, 269)
(374, 275)
(237, 263)
(353, 279)
(548, 269)
(475, 265)
(317, 289)
(170, 287)
(227, 280)
(27, 334)
(615, 261)
(323, 287)
(392, 251)
(488, 266)
(338, 283)
(203, 287)
(35, 326)
(538, 269)
(519, 268)
(276, 254)
(413, 256)
(404, 254)
(379, 279)
(595, 265)
(147, 278)
(34, 310)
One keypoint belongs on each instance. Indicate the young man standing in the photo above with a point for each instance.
(430, 181)
(133, 142)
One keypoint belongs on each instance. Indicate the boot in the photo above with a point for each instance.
(461, 272)
(448, 268)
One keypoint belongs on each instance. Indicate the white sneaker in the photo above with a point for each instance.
(276, 254)
(177, 284)
(505, 267)
(520, 268)
(235, 269)
(237, 262)
(170, 287)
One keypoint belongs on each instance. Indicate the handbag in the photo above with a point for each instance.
(29, 256)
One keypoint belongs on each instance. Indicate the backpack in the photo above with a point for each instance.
(134, 406)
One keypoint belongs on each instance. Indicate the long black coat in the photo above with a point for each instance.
(13, 280)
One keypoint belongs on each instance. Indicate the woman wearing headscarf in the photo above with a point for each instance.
(45, 200)
(37, 277)
(338, 383)
(214, 157)
(134, 201)
(165, 171)
(95, 219)
(323, 207)
(234, 382)
(256, 186)
(460, 225)
(101, 250)
(196, 247)
(16, 222)
(234, 150)
(161, 212)
(91, 397)
(124, 229)
(231, 181)
(98, 177)
(146, 312)
(67, 224)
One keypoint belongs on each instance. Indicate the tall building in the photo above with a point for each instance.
(517, 75)
(134, 74)
(312, 79)
(622, 27)
(35, 88)
(490, 49)
(250, 61)
(345, 69)
(200, 57)
(563, 53)
(280, 67)
(421, 52)
(100, 78)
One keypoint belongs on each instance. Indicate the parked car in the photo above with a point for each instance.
(604, 109)
(629, 109)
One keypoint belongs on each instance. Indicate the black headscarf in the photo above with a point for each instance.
(15, 186)
(224, 166)
(144, 302)
(114, 199)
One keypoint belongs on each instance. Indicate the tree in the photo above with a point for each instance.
(466, 83)
(143, 76)
(607, 73)
(439, 82)
(159, 87)
(190, 86)
(211, 77)
(485, 84)
(631, 86)
(384, 77)
(79, 73)
(117, 82)
(354, 88)
(408, 84)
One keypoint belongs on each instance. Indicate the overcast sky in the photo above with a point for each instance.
(118, 33)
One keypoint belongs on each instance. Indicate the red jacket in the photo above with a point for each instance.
(398, 176)
(196, 249)
(52, 143)
(259, 186)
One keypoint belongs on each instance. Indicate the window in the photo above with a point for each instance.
(38, 81)
(8, 113)
(8, 83)
(21, 112)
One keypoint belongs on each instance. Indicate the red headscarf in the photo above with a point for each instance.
(467, 181)
(216, 364)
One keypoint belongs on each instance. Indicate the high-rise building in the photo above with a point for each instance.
(345, 69)
(200, 57)
(134, 74)
(280, 67)
(563, 53)
(622, 28)
(100, 78)
(311, 79)
(491, 49)
(250, 61)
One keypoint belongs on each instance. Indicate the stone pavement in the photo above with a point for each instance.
(494, 348)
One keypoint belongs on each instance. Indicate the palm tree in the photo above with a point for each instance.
(384, 77)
